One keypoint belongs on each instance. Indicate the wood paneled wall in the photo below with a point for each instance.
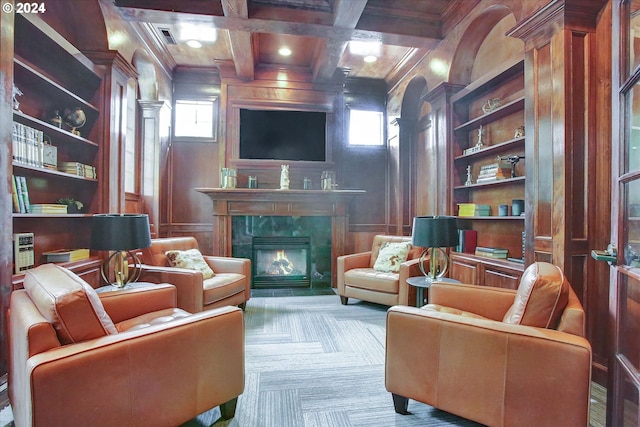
(192, 164)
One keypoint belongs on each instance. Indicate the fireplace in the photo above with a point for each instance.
(281, 261)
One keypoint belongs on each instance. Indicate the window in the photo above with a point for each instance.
(130, 150)
(365, 128)
(195, 119)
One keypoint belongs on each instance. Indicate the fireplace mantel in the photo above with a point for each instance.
(245, 201)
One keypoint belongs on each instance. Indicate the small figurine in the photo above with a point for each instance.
(284, 177)
(480, 142)
(491, 105)
(16, 92)
(519, 133)
(469, 180)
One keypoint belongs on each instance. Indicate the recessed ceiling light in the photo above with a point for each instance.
(194, 44)
(370, 58)
(284, 51)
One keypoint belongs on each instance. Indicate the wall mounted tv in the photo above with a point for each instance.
(283, 135)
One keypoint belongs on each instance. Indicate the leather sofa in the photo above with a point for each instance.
(119, 358)
(496, 356)
(357, 277)
(231, 284)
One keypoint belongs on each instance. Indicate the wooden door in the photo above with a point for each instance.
(624, 299)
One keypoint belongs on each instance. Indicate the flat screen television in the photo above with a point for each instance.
(283, 135)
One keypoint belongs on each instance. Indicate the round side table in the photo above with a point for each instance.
(423, 282)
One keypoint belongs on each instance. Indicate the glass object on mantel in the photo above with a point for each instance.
(328, 180)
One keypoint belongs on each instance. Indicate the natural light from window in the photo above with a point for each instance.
(194, 119)
(365, 128)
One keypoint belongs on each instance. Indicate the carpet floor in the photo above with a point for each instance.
(312, 362)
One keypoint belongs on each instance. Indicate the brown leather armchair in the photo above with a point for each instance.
(119, 358)
(496, 356)
(231, 284)
(358, 279)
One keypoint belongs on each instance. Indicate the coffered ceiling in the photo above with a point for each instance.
(326, 37)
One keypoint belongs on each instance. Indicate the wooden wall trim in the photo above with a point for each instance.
(6, 221)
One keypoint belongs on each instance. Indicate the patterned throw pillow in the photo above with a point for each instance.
(191, 259)
(391, 255)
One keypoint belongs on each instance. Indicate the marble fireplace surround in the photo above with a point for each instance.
(244, 201)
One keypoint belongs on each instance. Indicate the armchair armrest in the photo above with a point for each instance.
(485, 301)
(221, 264)
(409, 268)
(192, 363)
(187, 282)
(488, 371)
(348, 262)
(123, 304)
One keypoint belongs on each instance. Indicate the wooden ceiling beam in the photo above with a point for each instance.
(346, 14)
(279, 27)
(240, 41)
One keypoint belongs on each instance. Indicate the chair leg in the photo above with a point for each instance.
(228, 409)
(400, 404)
(344, 300)
(243, 305)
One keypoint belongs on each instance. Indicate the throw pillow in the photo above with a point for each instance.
(391, 255)
(542, 295)
(190, 259)
(69, 303)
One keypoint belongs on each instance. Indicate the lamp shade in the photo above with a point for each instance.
(435, 231)
(120, 232)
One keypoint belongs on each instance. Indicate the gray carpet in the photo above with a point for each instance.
(312, 362)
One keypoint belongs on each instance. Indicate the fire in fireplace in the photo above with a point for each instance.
(281, 261)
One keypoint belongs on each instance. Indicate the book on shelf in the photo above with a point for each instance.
(23, 254)
(77, 168)
(473, 209)
(66, 255)
(467, 240)
(49, 208)
(27, 145)
(498, 253)
(14, 194)
(20, 194)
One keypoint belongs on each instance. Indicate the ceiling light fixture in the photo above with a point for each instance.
(370, 59)
(194, 44)
(284, 51)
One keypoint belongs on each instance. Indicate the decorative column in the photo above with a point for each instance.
(568, 173)
(438, 150)
(155, 141)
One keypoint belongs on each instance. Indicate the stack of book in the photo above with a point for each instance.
(77, 168)
(498, 253)
(473, 209)
(494, 171)
(27, 145)
(66, 255)
(48, 208)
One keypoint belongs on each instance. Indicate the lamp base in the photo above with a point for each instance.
(118, 265)
(438, 263)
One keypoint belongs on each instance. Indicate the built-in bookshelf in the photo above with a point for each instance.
(53, 80)
(488, 133)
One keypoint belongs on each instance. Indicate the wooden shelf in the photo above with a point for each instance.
(45, 171)
(492, 149)
(497, 114)
(66, 216)
(516, 180)
(492, 217)
(508, 71)
(39, 82)
(60, 135)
